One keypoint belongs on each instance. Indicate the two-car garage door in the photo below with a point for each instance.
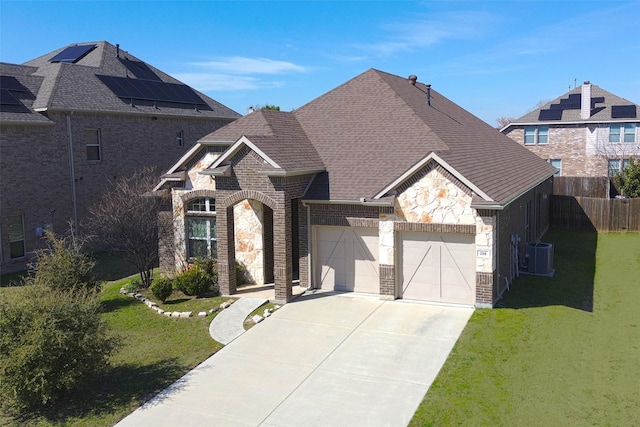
(432, 266)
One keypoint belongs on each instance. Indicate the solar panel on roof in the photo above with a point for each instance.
(550, 114)
(7, 98)
(140, 69)
(623, 112)
(150, 90)
(73, 54)
(11, 83)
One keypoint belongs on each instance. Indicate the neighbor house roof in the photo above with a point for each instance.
(605, 107)
(100, 77)
(373, 131)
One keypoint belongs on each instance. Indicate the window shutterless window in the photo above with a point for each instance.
(92, 138)
(202, 234)
(16, 237)
(629, 133)
(543, 134)
(180, 138)
(557, 163)
(536, 135)
(529, 135)
(201, 228)
(614, 133)
(614, 167)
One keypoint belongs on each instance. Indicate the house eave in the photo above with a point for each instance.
(362, 202)
(217, 171)
(291, 172)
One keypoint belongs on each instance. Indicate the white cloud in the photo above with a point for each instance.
(247, 66)
(428, 31)
(225, 82)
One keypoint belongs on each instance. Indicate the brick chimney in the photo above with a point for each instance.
(585, 106)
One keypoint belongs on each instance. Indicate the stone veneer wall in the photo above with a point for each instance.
(434, 196)
(248, 218)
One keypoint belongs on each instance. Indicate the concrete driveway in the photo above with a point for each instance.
(325, 359)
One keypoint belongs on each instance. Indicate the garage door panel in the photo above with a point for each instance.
(438, 267)
(347, 259)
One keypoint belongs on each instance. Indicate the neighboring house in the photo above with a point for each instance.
(379, 186)
(585, 132)
(76, 118)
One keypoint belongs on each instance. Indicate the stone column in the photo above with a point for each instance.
(226, 251)
(387, 260)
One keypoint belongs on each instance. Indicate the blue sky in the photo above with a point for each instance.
(493, 58)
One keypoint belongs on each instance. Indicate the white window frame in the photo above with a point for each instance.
(613, 171)
(94, 144)
(22, 238)
(180, 138)
(628, 130)
(558, 166)
(205, 211)
(536, 135)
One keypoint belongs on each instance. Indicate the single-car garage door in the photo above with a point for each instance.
(438, 267)
(347, 259)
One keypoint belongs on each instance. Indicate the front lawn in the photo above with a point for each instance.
(563, 351)
(156, 351)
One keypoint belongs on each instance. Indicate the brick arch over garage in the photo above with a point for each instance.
(249, 194)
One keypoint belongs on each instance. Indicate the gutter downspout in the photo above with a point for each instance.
(72, 173)
(309, 284)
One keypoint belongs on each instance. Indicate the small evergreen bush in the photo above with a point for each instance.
(162, 288)
(194, 281)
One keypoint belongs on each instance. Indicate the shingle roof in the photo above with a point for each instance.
(76, 87)
(371, 130)
(601, 111)
(277, 134)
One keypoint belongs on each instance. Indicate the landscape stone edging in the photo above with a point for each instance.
(174, 314)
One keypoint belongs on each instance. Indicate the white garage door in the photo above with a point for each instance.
(347, 259)
(438, 267)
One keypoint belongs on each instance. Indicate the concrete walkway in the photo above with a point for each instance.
(229, 323)
(324, 359)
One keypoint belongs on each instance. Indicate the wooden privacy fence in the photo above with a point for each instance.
(594, 213)
(583, 186)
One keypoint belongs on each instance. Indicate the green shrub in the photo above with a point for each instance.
(162, 288)
(133, 285)
(209, 267)
(62, 266)
(52, 341)
(193, 282)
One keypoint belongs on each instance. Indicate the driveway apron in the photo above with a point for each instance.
(325, 359)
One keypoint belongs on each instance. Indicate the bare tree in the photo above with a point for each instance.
(504, 121)
(126, 219)
(611, 148)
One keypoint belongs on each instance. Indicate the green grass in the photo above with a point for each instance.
(564, 351)
(156, 351)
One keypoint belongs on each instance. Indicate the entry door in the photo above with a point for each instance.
(347, 259)
(438, 267)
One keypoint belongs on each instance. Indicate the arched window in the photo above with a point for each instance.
(201, 228)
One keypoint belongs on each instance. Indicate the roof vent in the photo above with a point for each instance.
(413, 79)
(428, 94)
